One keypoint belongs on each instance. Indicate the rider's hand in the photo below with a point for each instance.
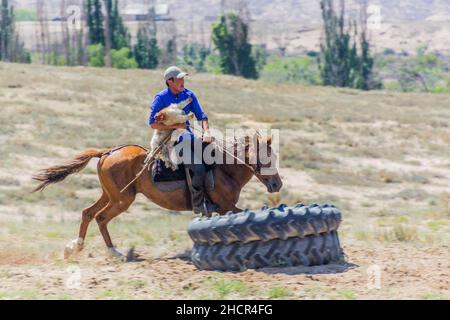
(207, 137)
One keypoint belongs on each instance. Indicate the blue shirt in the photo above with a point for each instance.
(165, 98)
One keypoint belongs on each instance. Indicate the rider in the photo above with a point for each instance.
(176, 93)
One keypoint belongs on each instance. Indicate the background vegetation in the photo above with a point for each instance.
(345, 58)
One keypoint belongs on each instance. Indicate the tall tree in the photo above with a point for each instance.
(195, 55)
(146, 51)
(95, 22)
(6, 30)
(65, 35)
(12, 48)
(120, 37)
(230, 37)
(118, 33)
(340, 62)
(43, 33)
(82, 37)
(107, 29)
(366, 79)
(171, 50)
(107, 33)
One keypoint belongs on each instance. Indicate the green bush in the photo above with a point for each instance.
(260, 56)
(303, 70)
(122, 59)
(424, 71)
(56, 59)
(212, 64)
(195, 55)
(146, 50)
(388, 52)
(230, 37)
(442, 86)
(96, 55)
(25, 15)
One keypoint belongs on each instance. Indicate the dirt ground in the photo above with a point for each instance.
(377, 265)
(405, 273)
(381, 158)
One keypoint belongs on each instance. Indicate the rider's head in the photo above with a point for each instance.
(174, 78)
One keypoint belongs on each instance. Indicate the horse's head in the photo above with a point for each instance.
(263, 160)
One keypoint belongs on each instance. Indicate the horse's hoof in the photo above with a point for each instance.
(73, 247)
(113, 253)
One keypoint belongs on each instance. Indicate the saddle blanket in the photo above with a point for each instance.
(160, 173)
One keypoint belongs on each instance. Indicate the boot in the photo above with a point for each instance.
(207, 208)
(200, 204)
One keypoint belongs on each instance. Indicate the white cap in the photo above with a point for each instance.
(174, 72)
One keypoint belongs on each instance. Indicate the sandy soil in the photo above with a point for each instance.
(409, 272)
(381, 157)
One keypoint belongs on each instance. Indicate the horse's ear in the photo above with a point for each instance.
(258, 134)
(266, 140)
(257, 137)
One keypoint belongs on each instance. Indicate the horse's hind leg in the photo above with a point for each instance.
(112, 210)
(88, 214)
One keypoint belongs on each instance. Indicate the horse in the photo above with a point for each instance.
(118, 167)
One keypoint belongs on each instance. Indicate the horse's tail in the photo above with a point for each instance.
(58, 173)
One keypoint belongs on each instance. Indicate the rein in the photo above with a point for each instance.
(224, 149)
(147, 162)
(150, 158)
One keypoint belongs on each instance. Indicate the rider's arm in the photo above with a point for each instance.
(156, 106)
(201, 116)
(205, 125)
(197, 110)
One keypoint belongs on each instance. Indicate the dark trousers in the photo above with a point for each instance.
(197, 170)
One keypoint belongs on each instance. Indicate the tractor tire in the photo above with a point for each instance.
(308, 251)
(267, 224)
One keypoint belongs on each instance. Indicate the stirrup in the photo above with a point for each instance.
(207, 208)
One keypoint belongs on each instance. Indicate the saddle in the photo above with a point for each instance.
(167, 180)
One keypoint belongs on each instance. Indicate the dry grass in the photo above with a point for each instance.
(381, 157)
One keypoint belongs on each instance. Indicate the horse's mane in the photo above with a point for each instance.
(237, 143)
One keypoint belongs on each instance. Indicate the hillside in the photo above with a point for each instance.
(294, 24)
(302, 12)
(381, 157)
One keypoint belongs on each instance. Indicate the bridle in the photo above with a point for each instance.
(256, 171)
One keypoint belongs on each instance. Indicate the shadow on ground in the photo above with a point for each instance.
(332, 268)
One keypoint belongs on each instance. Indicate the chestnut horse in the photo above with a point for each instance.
(117, 168)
